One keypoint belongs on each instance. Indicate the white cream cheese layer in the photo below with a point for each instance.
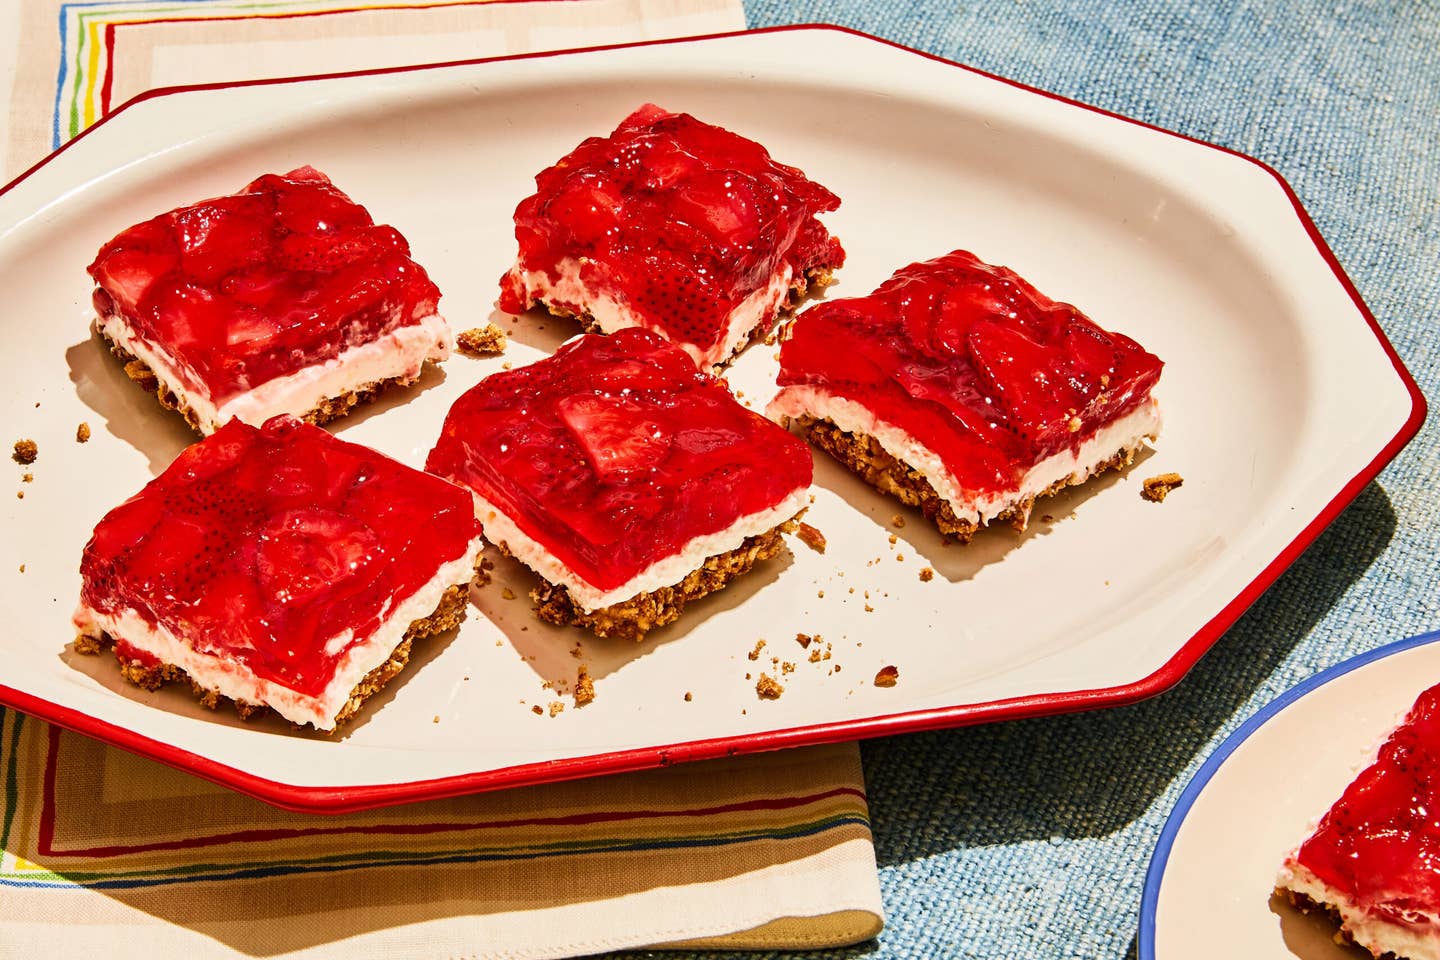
(1376, 934)
(1073, 466)
(572, 293)
(236, 681)
(666, 572)
(400, 353)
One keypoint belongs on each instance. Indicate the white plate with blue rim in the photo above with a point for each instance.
(1258, 795)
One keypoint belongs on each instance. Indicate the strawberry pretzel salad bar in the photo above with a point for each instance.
(674, 225)
(959, 388)
(282, 298)
(629, 481)
(278, 567)
(1372, 863)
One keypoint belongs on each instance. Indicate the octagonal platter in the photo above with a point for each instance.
(1281, 400)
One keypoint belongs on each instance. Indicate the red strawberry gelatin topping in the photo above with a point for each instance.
(973, 362)
(671, 224)
(276, 548)
(616, 452)
(242, 289)
(1379, 845)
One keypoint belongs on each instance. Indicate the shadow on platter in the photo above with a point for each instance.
(953, 561)
(1090, 775)
(1311, 936)
(431, 376)
(537, 328)
(555, 653)
(130, 413)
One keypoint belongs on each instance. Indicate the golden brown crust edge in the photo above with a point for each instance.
(330, 408)
(633, 618)
(447, 614)
(864, 457)
(1307, 904)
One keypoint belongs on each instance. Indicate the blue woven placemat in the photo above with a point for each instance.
(1031, 839)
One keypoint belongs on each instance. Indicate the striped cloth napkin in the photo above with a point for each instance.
(109, 854)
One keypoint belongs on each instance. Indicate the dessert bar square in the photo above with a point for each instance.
(282, 298)
(280, 567)
(959, 388)
(626, 478)
(674, 225)
(1373, 861)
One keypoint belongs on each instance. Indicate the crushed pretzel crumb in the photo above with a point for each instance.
(787, 667)
(811, 537)
(766, 688)
(556, 708)
(1157, 488)
(25, 451)
(887, 676)
(584, 687)
(804, 639)
(486, 341)
(507, 593)
(897, 521)
(82, 432)
(537, 710)
(28, 478)
(926, 574)
(815, 655)
(755, 653)
(688, 698)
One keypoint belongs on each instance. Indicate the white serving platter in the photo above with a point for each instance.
(1258, 795)
(1281, 396)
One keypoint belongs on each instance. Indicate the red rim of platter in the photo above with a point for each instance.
(350, 798)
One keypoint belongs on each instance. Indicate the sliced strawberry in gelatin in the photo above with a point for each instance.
(616, 452)
(619, 434)
(279, 547)
(972, 361)
(303, 552)
(675, 220)
(245, 288)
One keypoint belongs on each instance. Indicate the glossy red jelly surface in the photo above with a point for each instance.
(673, 218)
(616, 452)
(280, 276)
(974, 362)
(259, 545)
(1380, 843)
